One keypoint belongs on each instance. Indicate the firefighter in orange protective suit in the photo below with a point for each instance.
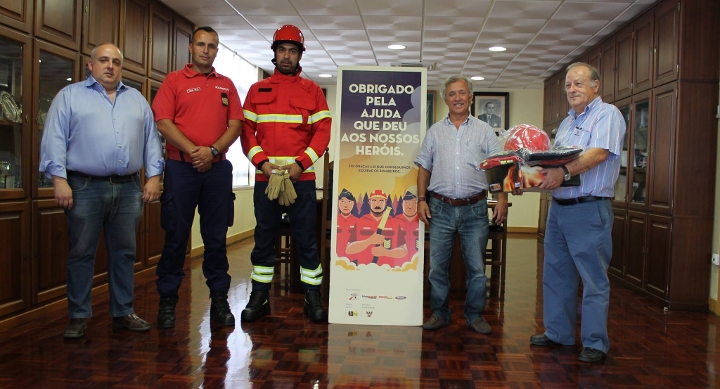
(287, 127)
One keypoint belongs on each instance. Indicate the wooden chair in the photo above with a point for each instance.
(495, 255)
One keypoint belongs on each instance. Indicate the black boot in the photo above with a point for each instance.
(313, 307)
(166, 312)
(257, 307)
(220, 309)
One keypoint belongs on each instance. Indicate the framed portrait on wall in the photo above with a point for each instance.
(493, 108)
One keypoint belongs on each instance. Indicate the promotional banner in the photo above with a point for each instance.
(376, 261)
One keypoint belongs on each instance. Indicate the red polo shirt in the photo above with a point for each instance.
(199, 105)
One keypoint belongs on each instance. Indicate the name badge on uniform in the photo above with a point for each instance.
(224, 99)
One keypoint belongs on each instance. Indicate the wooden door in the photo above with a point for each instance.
(59, 22)
(636, 242)
(181, 54)
(595, 58)
(639, 150)
(624, 55)
(101, 24)
(560, 100)
(644, 48)
(620, 199)
(607, 75)
(17, 14)
(15, 134)
(14, 260)
(161, 37)
(542, 216)
(657, 265)
(666, 42)
(619, 229)
(134, 35)
(50, 244)
(54, 68)
(548, 96)
(663, 125)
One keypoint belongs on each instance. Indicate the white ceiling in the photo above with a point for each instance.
(541, 36)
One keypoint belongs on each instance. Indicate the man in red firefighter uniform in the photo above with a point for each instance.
(376, 236)
(287, 127)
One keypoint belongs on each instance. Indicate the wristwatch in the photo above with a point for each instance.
(567, 175)
(421, 198)
(214, 151)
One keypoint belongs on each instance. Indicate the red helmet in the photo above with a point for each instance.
(528, 137)
(288, 33)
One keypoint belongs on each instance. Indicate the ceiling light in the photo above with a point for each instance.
(497, 48)
(325, 75)
(396, 47)
(69, 79)
(477, 78)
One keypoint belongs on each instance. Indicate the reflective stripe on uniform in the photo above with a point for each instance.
(318, 116)
(253, 151)
(263, 274)
(312, 277)
(312, 154)
(279, 118)
(250, 115)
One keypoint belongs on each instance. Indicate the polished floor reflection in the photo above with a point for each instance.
(649, 348)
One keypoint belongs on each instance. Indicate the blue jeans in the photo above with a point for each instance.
(117, 209)
(471, 223)
(211, 192)
(578, 243)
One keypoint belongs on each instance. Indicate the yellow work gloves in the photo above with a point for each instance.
(287, 191)
(274, 185)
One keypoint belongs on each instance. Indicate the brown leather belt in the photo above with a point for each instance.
(579, 200)
(176, 155)
(466, 201)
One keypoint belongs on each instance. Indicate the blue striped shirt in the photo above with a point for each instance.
(453, 155)
(86, 132)
(602, 126)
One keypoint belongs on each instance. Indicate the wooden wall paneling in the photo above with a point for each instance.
(161, 41)
(548, 96)
(14, 258)
(101, 24)
(623, 183)
(560, 99)
(662, 148)
(181, 54)
(666, 42)
(595, 58)
(17, 14)
(59, 22)
(638, 174)
(624, 54)
(134, 35)
(643, 57)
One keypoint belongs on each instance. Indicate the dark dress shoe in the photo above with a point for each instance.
(480, 325)
(591, 355)
(75, 329)
(543, 340)
(435, 322)
(131, 322)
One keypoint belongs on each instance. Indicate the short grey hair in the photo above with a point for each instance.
(454, 79)
(594, 74)
(94, 51)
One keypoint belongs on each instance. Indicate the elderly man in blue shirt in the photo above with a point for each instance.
(98, 134)
(578, 236)
(452, 199)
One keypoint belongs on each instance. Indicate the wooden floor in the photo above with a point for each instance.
(649, 348)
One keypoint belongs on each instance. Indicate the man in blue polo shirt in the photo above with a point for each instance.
(578, 238)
